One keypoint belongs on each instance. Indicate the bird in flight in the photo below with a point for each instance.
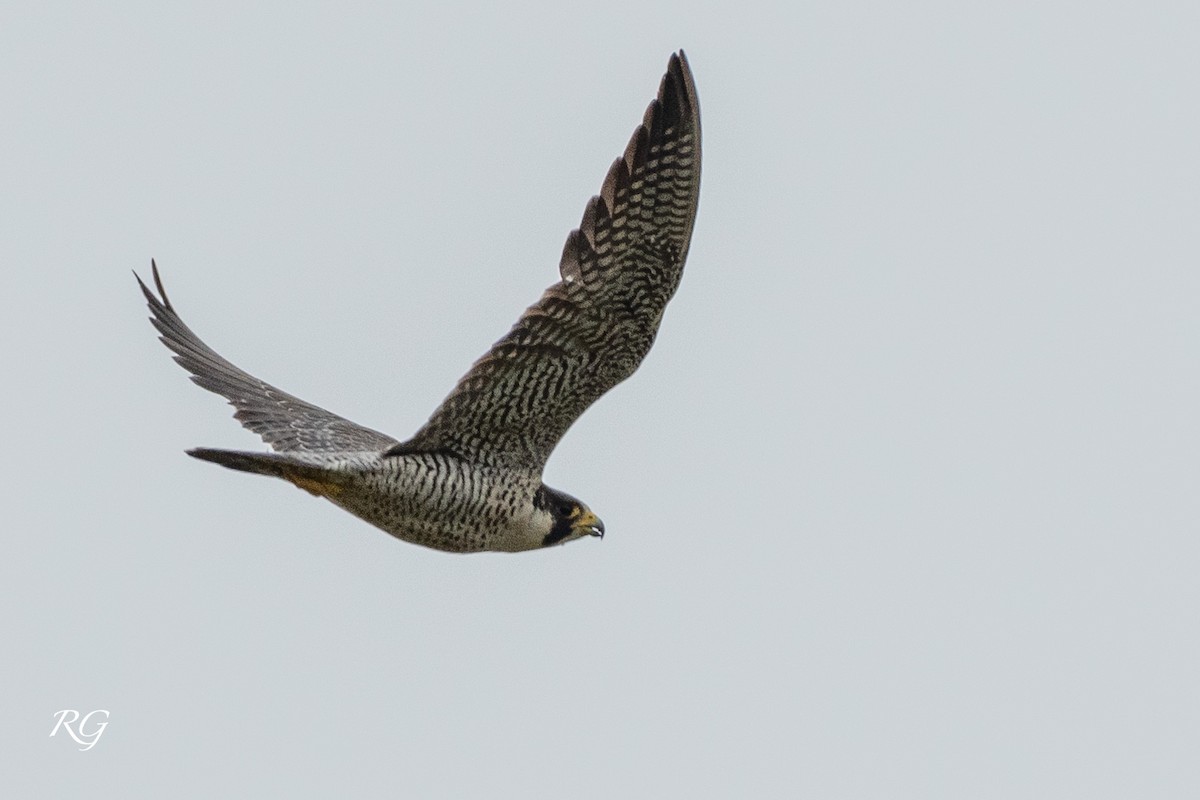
(471, 478)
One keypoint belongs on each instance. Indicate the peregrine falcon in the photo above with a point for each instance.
(471, 478)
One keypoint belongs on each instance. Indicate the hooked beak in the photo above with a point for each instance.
(590, 524)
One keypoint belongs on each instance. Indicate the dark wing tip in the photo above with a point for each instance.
(681, 72)
(156, 301)
(159, 284)
(674, 111)
(676, 103)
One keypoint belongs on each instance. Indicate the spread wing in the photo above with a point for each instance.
(591, 330)
(286, 423)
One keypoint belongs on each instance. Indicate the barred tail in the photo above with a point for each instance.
(310, 478)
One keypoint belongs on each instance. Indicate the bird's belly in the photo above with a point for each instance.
(445, 511)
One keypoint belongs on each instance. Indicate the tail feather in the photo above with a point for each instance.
(312, 479)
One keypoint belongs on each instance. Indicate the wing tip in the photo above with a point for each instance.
(679, 67)
(677, 103)
(158, 303)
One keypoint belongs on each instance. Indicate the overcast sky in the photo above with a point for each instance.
(903, 504)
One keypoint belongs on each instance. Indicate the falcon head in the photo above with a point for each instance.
(569, 518)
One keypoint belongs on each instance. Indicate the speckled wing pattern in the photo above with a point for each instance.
(286, 423)
(591, 330)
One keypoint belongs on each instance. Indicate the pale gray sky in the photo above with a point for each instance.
(903, 504)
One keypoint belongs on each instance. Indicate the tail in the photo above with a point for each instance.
(312, 479)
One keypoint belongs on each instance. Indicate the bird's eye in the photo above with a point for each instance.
(568, 510)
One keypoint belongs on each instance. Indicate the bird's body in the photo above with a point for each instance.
(431, 499)
(470, 479)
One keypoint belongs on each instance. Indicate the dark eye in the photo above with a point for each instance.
(566, 509)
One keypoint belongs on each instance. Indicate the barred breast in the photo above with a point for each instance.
(439, 501)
